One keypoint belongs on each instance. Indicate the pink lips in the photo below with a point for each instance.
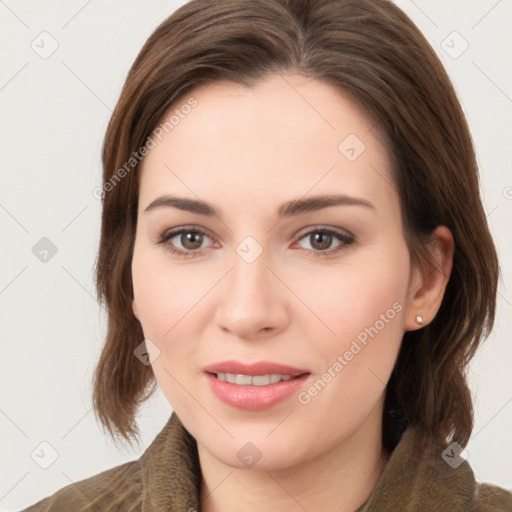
(250, 397)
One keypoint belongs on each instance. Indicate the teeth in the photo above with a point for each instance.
(243, 380)
(261, 380)
(252, 380)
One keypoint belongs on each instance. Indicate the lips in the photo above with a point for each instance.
(256, 386)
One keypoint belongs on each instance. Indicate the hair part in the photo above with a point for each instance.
(371, 51)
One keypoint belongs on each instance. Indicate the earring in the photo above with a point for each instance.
(419, 320)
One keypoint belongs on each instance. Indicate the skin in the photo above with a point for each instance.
(247, 151)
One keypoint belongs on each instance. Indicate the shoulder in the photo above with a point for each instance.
(118, 488)
(425, 473)
(490, 498)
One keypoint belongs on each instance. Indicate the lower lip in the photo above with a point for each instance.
(254, 398)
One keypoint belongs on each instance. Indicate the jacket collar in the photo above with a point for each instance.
(170, 470)
(416, 476)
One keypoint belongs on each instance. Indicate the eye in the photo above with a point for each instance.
(191, 240)
(321, 239)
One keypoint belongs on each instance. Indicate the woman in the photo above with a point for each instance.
(294, 250)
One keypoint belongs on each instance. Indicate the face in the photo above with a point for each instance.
(310, 297)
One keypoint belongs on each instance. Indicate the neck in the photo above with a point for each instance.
(340, 480)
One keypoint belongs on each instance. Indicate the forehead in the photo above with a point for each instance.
(284, 136)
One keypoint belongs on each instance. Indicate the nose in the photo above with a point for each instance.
(253, 299)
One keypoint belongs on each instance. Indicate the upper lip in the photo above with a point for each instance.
(259, 368)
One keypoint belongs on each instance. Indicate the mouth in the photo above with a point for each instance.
(252, 380)
(254, 387)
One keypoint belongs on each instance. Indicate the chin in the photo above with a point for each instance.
(261, 456)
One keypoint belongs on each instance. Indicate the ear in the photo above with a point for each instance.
(428, 283)
(135, 310)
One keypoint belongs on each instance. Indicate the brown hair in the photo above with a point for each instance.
(373, 52)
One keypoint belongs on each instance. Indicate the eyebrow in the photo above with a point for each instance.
(288, 209)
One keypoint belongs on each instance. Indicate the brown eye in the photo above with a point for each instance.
(321, 240)
(183, 242)
(191, 240)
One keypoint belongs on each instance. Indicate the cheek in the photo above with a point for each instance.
(364, 306)
(165, 292)
(172, 307)
(363, 297)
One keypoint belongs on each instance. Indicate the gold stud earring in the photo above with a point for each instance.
(419, 320)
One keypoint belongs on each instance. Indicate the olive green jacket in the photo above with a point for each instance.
(167, 478)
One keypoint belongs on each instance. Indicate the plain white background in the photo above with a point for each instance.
(54, 112)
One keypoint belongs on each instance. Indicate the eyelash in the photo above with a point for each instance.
(342, 237)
